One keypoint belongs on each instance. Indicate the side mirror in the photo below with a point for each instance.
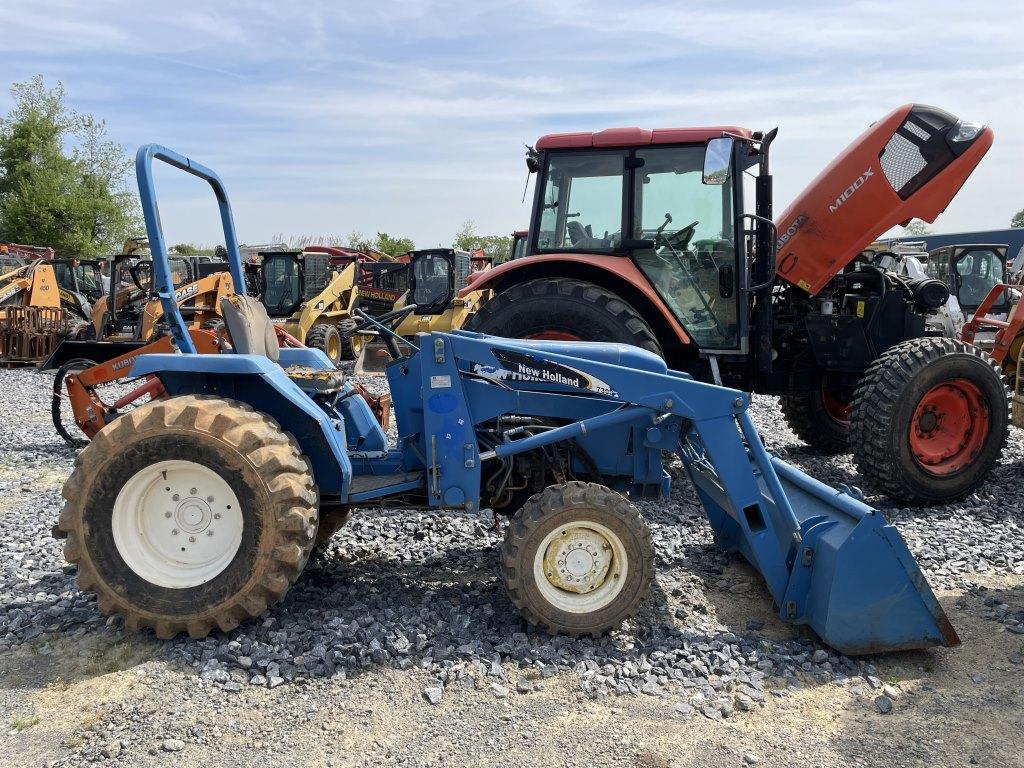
(717, 158)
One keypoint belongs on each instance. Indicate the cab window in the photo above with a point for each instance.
(582, 204)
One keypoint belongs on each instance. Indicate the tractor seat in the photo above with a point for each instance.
(252, 333)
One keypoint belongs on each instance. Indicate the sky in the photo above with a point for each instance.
(410, 117)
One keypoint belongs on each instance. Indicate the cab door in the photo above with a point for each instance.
(695, 263)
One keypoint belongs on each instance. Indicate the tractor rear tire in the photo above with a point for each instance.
(577, 559)
(807, 414)
(351, 344)
(326, 338)
(563, 309)
(929, 420)
(203, 475)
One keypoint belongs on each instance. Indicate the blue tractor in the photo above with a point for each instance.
(198, 511)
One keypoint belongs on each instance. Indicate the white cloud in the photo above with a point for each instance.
(410, 117)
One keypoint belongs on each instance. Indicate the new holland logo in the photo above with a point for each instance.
(848, 192)
(376, 294)
(516, 366)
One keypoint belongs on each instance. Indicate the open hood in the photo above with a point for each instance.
(908, 165)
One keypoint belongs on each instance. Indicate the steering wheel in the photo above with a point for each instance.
(390, 320)
(681, 238)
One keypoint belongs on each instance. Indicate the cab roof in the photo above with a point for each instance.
(638, 137)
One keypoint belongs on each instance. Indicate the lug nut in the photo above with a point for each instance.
(192, 492)
(209, 499)
(209, 532)
(175, 497)
(216, 515)
(167, 514)
(192, 539)
(174, 532)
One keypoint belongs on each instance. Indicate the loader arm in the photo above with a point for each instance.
(338, 298)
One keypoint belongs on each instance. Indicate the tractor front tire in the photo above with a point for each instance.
(326, 338)
(81, 330)
(565, 310)
(817, 420)
(188, 515)
(929, 420)
(577, 559)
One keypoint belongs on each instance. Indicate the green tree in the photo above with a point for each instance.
(393, 246)
(185, 249)
(498, 247)
(916, 228)
(1017, 222)
(111, 205)
(76, 201)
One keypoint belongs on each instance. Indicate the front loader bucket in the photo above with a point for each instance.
(373, 358)
(830, 561)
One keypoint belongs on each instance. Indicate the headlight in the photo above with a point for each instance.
(965, 130)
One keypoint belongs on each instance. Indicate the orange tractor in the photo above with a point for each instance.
(1008, 341)
(652, 238)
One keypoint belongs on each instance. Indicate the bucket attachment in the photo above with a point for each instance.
(830, 561)
(374, 357)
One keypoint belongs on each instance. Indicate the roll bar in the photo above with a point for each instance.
(163, 282)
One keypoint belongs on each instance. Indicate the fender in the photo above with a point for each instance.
(264, 386)
(607, 271)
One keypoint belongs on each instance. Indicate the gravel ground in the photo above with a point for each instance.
(402, 613)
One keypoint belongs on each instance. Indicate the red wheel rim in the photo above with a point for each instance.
(949, 427)
(552, 336)
(834, 407)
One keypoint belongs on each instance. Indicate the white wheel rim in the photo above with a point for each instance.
(580, 567)
(177, 524)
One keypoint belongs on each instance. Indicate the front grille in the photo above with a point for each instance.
(918, 150)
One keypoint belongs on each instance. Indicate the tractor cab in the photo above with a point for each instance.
(970, 272)
(382, 284)
(290, 278)
(435, 276)
(667, 203)
(518, 249)
(130, 287)
(80, 282)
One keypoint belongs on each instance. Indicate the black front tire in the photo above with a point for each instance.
(564, 511)
(350, 345)
(327, 339)
(73, 436)
(883, 418)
